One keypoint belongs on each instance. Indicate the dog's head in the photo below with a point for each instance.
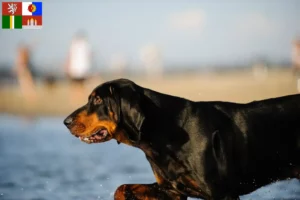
(113, 110)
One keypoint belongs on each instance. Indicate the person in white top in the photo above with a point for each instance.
(79, 61)
(296, 57)
(78, 64)
(152, 61)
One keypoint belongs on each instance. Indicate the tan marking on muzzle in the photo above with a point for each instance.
(85, 125)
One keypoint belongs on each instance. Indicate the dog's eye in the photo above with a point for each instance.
(97, 100)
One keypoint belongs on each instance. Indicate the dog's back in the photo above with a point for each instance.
(274, 123)
(271, 139)
(267, 120)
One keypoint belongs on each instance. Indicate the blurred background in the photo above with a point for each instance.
(236, 51)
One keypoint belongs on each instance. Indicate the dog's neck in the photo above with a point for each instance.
(173, 101)
(121, 137)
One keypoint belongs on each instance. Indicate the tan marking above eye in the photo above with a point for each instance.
(93, 94)
(97, 100)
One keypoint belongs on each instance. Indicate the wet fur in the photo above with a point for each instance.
(211, 150)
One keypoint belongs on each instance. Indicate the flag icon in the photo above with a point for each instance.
(12, 22)
(11, 8)
(32, 8)
(32, 22)
(22, 15)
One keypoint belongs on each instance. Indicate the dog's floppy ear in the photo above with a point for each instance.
(114, 104)
(129, 110)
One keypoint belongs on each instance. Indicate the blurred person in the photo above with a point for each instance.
(152, 61)
(118, 65)
(296, 62)
(25, 73)
(78, 64)
(260, 72)
(50, 81)
(296, 57)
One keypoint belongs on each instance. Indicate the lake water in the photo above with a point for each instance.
(40, 160)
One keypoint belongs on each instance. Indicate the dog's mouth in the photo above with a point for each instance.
(96, 137)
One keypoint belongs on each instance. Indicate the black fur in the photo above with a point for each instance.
(213, 150)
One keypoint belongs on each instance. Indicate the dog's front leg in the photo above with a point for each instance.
(145, 192)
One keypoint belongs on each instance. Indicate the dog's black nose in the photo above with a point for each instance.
(68, 121)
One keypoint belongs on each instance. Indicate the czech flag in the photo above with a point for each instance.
(32, 8)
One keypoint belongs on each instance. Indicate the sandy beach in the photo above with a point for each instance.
(235, 86)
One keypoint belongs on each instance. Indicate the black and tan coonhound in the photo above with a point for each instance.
(210, 150)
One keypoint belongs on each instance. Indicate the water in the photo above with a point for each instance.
(40, 160)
